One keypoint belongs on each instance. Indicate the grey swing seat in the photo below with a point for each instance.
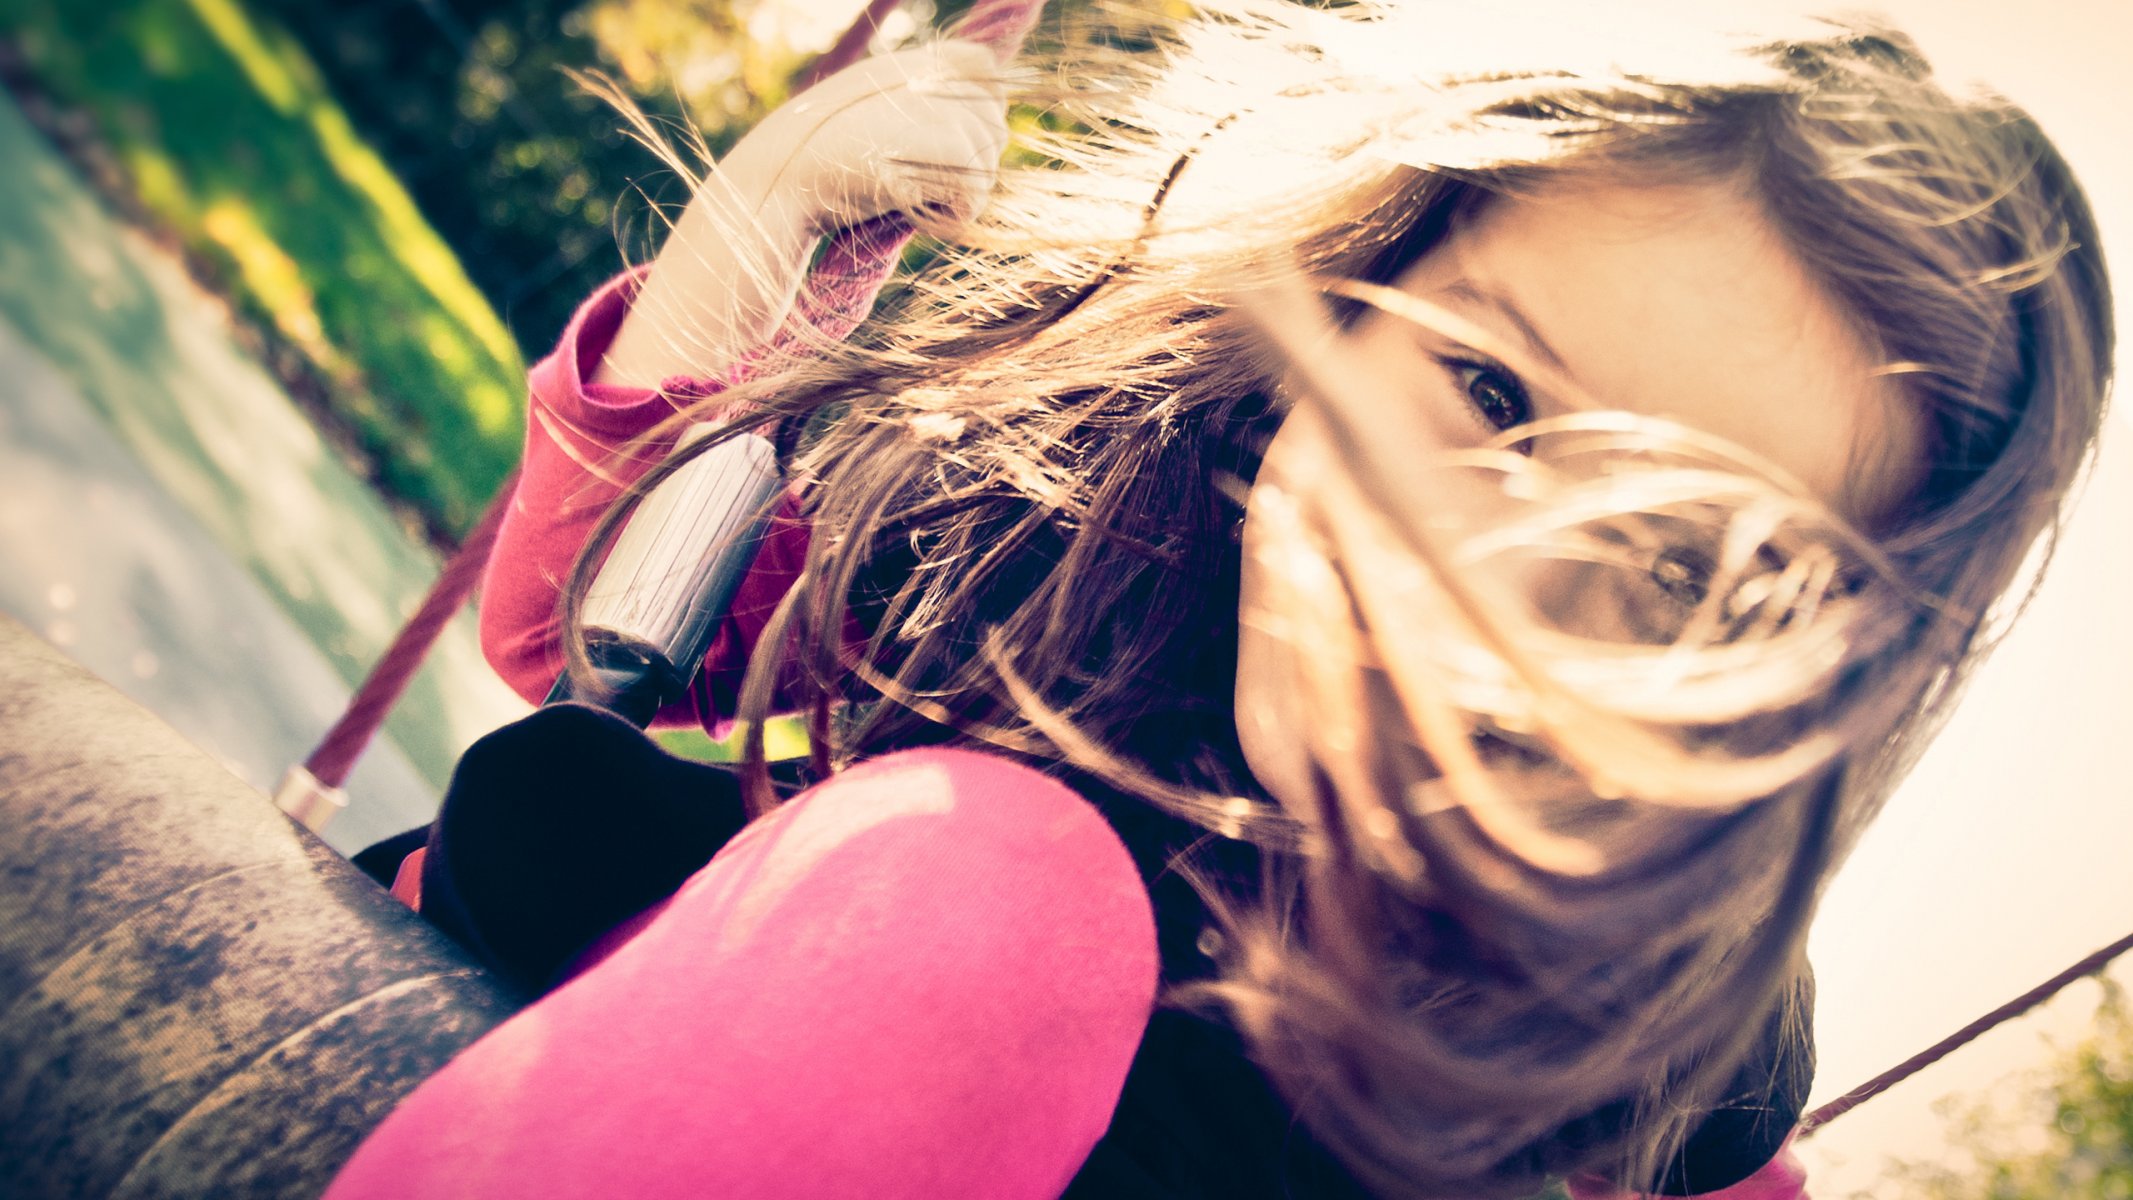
(197, 996)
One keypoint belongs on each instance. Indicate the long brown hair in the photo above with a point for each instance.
(1025, 481)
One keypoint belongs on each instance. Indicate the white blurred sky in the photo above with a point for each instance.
(2005, 856)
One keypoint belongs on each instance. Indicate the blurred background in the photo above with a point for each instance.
(270, 273)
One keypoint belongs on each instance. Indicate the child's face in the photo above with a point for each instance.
(1671, 301)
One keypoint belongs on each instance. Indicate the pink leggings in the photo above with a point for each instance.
(923, 978)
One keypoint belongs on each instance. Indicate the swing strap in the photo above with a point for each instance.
(337, 751)
(1850, 1100)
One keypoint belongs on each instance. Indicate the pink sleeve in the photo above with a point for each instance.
(572, 470)
(1782, 1178)
(924, 978)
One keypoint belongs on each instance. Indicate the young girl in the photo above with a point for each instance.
(1484, 508)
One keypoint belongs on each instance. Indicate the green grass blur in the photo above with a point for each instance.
(234, 145)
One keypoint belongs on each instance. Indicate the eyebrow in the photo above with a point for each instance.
(1467, 290)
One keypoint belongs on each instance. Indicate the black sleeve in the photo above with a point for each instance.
(1759, 1109)
(559, 827)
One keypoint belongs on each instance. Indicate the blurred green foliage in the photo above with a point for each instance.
(234, 143)
(2069, 1138)
(376, 182)
(784, 737)
(528, 177)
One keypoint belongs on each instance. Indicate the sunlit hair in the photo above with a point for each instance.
(1555, 863)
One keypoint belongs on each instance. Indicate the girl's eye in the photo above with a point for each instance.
(1494, 392)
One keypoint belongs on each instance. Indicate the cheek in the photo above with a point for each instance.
(1266, 686)
(1274, 625)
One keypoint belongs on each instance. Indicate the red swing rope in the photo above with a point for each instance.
(1002, 24)
(849, 45)
(338, 750)
(2092, 965)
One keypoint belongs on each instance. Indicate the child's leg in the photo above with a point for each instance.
(924, 978)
